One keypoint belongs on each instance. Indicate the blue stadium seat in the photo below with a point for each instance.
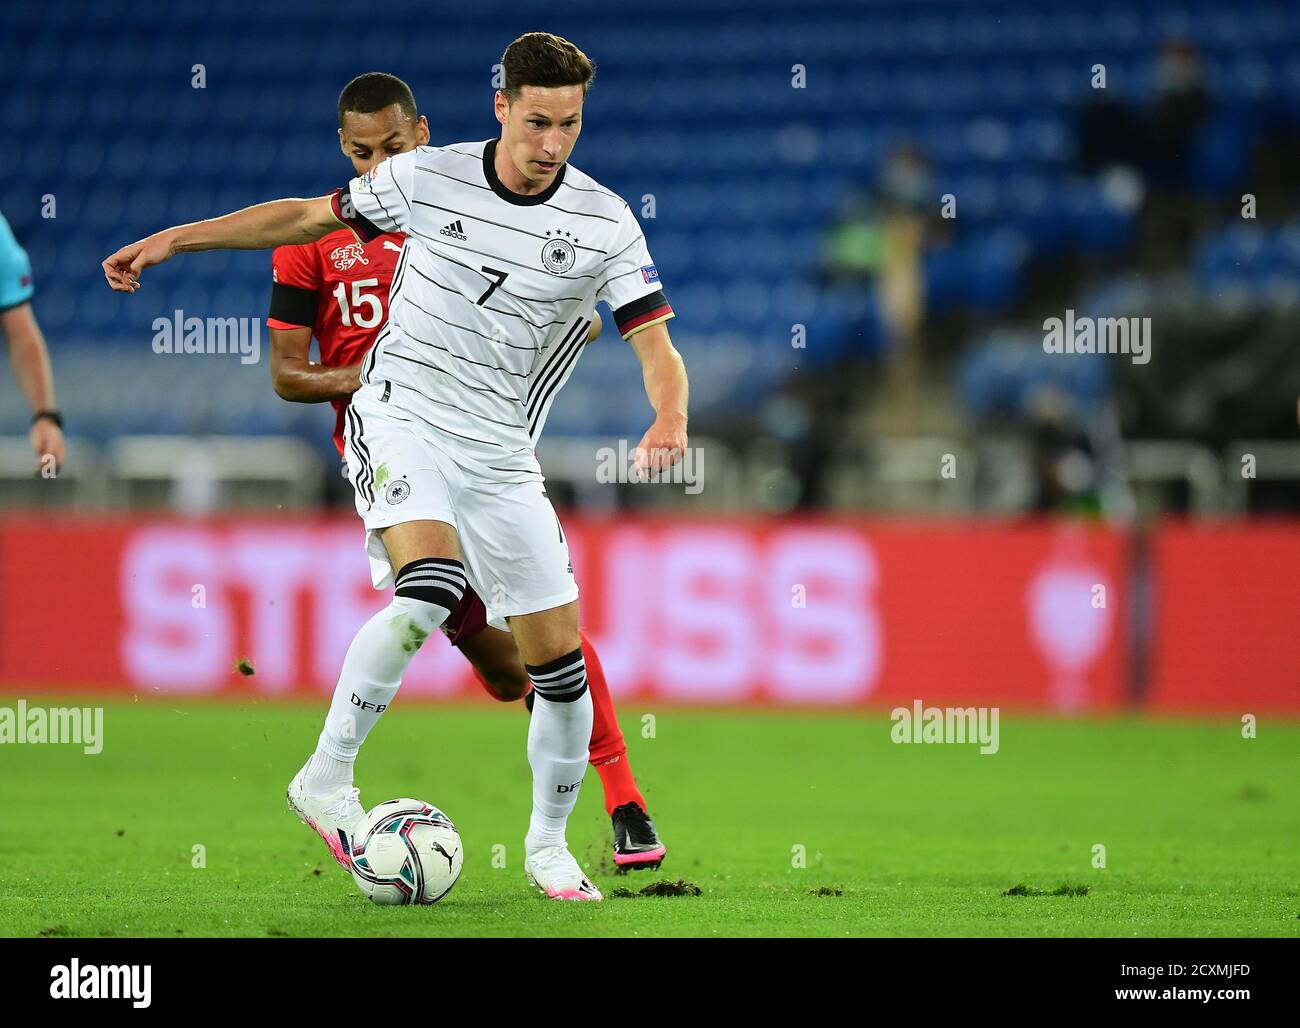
(697, 109)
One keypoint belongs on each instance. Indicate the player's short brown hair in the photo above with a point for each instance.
(374, 91)
(546, 60)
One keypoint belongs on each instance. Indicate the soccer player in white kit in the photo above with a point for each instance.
(508, 250)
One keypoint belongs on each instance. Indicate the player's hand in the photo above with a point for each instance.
(123, 268)
(663, 445)
(47, 439)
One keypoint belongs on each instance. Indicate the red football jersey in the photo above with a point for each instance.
(338, 288)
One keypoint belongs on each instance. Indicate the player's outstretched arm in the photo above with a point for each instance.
(296, 378)
(254, 228)
(664, 373)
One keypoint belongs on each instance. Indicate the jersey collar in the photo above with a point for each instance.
(508, 195)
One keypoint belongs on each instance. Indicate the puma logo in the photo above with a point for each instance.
(449, 856)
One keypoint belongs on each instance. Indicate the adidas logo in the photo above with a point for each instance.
(455, 230)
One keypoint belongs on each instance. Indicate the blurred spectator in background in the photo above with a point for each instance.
(1065, 462)
(1174, 132)
(27, 352)
(1110, 133)
(1179, 115)
(881, 239)
(1160, 140)
(800, 432)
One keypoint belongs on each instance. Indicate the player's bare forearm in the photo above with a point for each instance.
(299, 380)
(29, 357)
(667, 388)
(31, 363)
(304, 382)
(663, 372)
(266, 225)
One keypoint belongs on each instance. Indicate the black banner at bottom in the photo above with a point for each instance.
(139, 976)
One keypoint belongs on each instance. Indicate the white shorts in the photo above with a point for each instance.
(515, 554)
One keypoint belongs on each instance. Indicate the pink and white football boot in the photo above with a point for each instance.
(332, 816)
(554, 872)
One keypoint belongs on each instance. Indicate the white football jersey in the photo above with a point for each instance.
(493, 295)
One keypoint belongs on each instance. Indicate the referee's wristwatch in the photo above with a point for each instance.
(53, 415)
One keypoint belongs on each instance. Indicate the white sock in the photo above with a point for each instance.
(559, 737)
(427, 591)
(326, 774)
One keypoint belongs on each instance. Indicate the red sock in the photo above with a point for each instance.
(608, 749)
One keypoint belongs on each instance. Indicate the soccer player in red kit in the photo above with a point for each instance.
(336, 289)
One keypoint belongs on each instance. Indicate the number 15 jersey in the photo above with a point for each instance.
(338, 288)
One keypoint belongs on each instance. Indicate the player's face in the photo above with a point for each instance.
(539, 130)
(370, 139)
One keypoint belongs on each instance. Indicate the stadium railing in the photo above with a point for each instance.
(904, 475)
(190, 474)
(1149, 464)
(1272, 461)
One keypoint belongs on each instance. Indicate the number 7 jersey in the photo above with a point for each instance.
(338, 288)
(493, 295)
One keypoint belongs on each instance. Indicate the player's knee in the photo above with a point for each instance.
(414, 620)
(428, 590)
(506, 684)
(559, 646)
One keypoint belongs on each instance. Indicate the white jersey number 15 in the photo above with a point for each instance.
(353, 314)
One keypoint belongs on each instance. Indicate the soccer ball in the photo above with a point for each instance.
(406, 851)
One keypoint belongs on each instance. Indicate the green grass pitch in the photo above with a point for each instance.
(1201, 827)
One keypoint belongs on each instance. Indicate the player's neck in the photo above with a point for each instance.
(511, 177)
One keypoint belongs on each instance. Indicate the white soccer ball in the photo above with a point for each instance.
(406, 851)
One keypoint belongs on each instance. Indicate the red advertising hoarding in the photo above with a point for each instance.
(717, 612)
(1226, 625)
